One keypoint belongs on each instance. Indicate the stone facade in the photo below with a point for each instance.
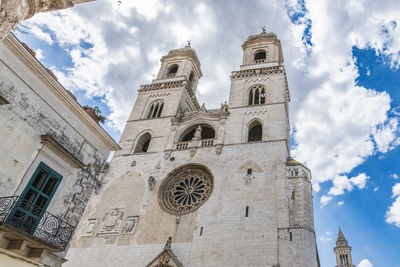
(41, 123)
(14, 11)
(242, 203)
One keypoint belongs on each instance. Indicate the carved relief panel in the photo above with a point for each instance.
(111, 221)
(130, 224)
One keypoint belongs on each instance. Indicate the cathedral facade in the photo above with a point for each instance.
(198, 187)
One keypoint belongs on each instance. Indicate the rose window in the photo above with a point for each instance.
(185, 189)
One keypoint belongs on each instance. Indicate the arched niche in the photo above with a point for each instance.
(254, 131)
(207, 132)
(143, 143)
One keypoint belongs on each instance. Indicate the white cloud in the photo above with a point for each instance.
(359, 180)
(384, 135)
(343, 183)
(365, 263)
(393, 214)
(340, 203)
(40, 34)
(338, 124)
(39, 54)
(394, 176)
(376, 188)
(325, 200)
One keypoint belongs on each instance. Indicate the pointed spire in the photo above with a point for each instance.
(341, 240)
(168, 244)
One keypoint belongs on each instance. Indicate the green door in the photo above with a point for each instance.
(33, 202)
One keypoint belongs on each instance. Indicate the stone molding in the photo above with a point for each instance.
(258, 72)
(59, 91)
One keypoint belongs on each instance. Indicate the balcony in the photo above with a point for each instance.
(41, 229)
(195, 144)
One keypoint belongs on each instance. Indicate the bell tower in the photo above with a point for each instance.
(343, 252)
(172, 92)
(261, 85)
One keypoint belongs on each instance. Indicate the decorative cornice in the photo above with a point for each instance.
(162, 85)
(47, 139)
(40, 71)
(296, 227)
(258, 72)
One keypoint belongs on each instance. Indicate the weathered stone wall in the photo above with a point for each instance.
(32, 110)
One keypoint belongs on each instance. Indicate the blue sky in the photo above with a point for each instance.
(342, 60)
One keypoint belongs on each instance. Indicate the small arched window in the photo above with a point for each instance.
(255, 131)
(260, 56)
(143, 143)
(256, 95)
(155, 110)
(172, 70)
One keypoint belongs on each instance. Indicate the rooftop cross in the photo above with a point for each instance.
(263, 29)
(188, 42)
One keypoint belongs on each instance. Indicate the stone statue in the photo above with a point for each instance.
(197, 133)
(152, 182)
(203, 107)
(224, 108)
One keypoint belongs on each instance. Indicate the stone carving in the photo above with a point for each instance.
(185, 189)
(167, 153)
(130, 224)
(112, 220)
(224, 108)
(178, 117)
(218, 149)
(197, 133)
(133, 164)
(248, 179)
(152, 182)
(192, 151)
(91, 224)
(203, 108)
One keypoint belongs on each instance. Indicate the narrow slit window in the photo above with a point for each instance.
(251, 97)
(201, 231)
(247, 211)
(290, 236)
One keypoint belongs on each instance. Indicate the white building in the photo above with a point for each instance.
(51, 155)
(221, 183)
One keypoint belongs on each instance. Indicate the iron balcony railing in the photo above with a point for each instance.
(35, 221)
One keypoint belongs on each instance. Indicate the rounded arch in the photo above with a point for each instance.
(185, 189)
(191, 76)
(260, 56)
(254, 131)
(172, 70)
(207, 132)
(256, 95)
(143, 142)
